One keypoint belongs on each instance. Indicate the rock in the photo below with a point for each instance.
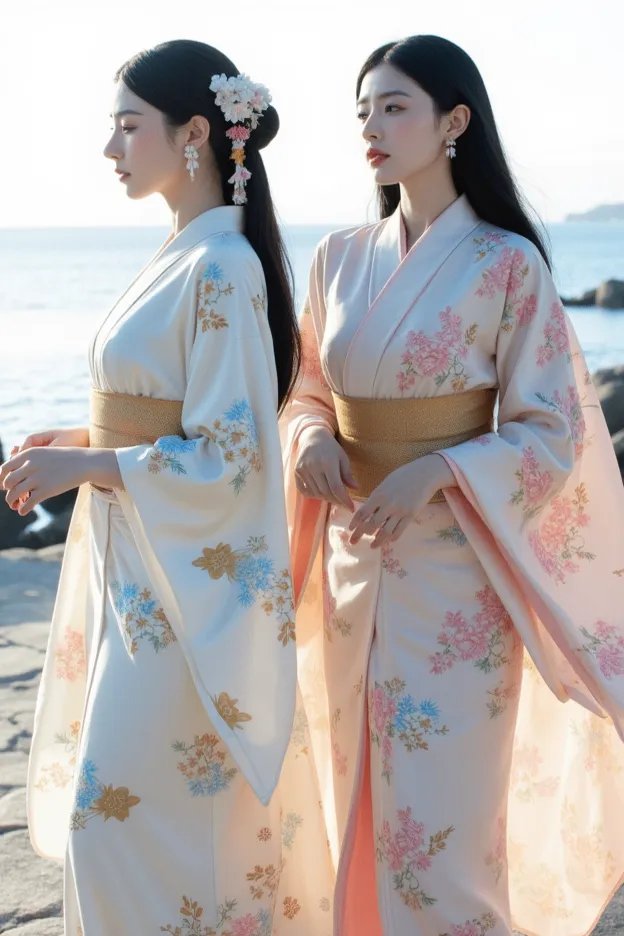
(610, 294)
(31, 890)
(609, 384)
(50, 926)
(50, 534)
(13, 810)
(587, 299)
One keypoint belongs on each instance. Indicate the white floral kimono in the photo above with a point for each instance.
(169, 687)
(460, 795)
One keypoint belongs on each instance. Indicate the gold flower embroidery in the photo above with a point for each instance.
(291, 907)
(228, 710)
(218, 562)
(115, 803)
(264, 879)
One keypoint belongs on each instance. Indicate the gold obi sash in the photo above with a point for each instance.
(380, 436)
(120, 420)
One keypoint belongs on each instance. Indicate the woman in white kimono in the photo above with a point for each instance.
(169, 686)
(470, 802)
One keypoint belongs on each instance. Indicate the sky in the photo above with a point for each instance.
(553, 69)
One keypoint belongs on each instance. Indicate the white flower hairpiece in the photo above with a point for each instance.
(242, 102)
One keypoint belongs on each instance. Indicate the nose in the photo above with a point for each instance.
(370, 131)
(112, 148)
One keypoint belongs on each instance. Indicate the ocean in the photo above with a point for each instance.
(57, 284)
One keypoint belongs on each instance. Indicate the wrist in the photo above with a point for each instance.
(102, 468)
(443, 473)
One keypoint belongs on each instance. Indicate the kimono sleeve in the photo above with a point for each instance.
(208, 516)
(547, 490)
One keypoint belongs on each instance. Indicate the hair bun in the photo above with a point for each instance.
(267, 128)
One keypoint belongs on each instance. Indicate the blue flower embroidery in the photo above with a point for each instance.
(237, 435)
(429, 709)
(290, 824)
(140, 617)
(165, 454)
(213, 272)
(88, 787)
(203, 765)
(174, 445)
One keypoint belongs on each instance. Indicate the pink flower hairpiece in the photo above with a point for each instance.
(242, 103)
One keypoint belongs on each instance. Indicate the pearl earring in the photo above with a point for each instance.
(192, 160)
(450, 148)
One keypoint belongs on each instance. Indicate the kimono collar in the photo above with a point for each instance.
(458, 218)
(226, 219)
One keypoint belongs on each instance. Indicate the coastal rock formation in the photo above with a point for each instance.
(609, 295)
(609, 384)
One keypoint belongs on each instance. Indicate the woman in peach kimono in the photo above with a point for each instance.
(477, 582)
(167, 705)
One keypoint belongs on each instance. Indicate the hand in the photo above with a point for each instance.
(59, 438)
(398, 500)
(322, 468)
(35, 474)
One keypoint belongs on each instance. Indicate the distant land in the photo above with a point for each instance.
(599, 213)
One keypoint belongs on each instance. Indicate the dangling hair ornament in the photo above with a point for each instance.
(242, 103)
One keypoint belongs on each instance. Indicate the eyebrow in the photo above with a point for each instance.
(125, 113)
(384, 95)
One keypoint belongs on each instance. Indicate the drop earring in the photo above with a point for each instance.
(450, 148)
(192, 160)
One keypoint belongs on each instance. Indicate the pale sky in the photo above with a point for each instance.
(553, 69)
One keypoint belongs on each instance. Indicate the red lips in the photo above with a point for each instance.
(374, 153)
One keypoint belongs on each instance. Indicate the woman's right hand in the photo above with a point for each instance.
(322, 468)
(77, 436)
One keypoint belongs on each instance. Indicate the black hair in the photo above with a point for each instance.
(175, 78)
(480, 169)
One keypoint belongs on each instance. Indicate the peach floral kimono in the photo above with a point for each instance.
(167, 706)
(461, 796)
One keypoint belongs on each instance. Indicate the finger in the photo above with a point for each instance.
(367, 509)
(401, 528)
(307, 487)
(14, 477)
(345, 471)
(368, 526)
(28, 505)
(11, 465)
(16, 492)
(385, 532)
(36, 440)
(338, 489)
(326, 492)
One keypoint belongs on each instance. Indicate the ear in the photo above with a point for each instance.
(197, 132)
(457, 121)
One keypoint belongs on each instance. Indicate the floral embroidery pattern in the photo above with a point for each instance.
(332, 623)
(339, 759)
(482, 440)
(533, 485)
(210, 289)
(57, 775)
(480, 640)
(203, 765)
(453, 534)
(299, 733)
(253, 572)
(606, 646)
(238, 438)
(539, 884)
(570, 407)
(473, 927)
(259, 303)
(559, 542)
(501, 695)
(488, 243)
(164, 454)
(141, 617)
(525, 779)
(440, 357)
(94, 798)
(388, 562)
(556, 337)
(291, 907)
(258, 924)
(228, 710)
(264, 835)
(290, 823)
(406, 854)
(311, 365)
(508, 276)
(588, 849)
(597, 741)
(496, 859)
(70, 662)
(394, 714)
(264, 880)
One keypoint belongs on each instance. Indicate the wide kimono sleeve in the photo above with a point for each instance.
(208, 516)
(541, 499)
(311, 406)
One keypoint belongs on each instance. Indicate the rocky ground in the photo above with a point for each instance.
(31, 888)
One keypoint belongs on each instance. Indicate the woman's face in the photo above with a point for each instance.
(146, 159)
(399, 125)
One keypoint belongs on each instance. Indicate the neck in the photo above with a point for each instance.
(195, 199)
(423, 199)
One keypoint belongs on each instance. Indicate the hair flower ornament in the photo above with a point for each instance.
(242, 102)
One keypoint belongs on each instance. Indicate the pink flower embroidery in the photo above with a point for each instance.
(440, 356)
(507, 276)
(488, 242)
(310, 359)
(473, 927)
(606, 645)
(333, 623)
(406, 853)
(340, 760)
(389, 563)
(480, 640)
(70, 661)
(556, 336)
(534, 484)
(570, 406)
(525, 775)
(497, 858)
(244, 926)
(482, 440)
(558, 543)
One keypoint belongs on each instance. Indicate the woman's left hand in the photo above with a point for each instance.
(398, 500)
(36, 474)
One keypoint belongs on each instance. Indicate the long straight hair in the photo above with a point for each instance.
(480, 170)
(175, 78)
